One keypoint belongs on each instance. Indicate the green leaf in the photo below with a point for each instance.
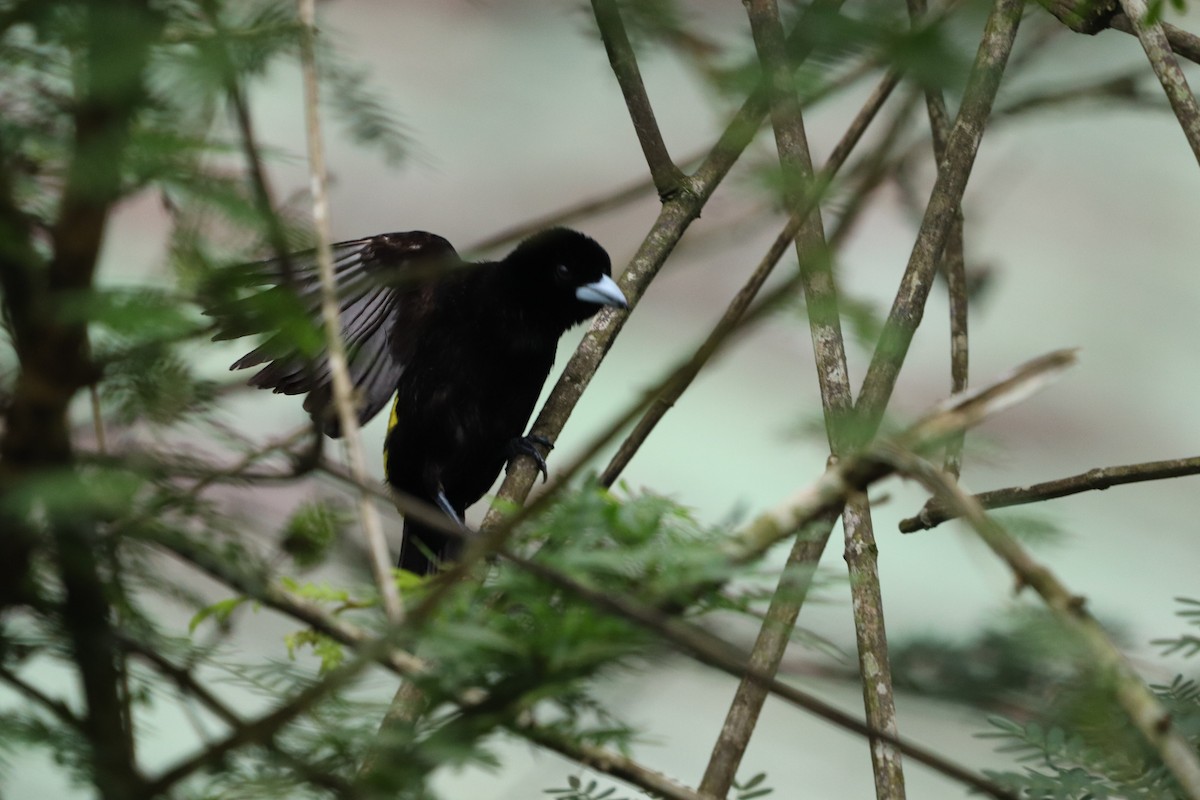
(219, 612)
(331, 653)
(311, 530)
(317, 592)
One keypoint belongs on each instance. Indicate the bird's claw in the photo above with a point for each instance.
(526, 446)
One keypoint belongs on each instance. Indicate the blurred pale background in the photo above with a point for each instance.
(1087, 215)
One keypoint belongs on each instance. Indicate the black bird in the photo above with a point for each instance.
(464, 348)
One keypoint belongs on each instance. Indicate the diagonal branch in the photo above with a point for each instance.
(857, 471)
(57, 707)
(667, 177)
(953, 256)
(263, 729)
(609, 762)
(953, 172)
(187, 684)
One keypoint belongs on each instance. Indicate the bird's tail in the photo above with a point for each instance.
(423, 550)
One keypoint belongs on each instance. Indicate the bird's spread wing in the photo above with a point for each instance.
(384, 284)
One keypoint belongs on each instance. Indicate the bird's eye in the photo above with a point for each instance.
(562, 271)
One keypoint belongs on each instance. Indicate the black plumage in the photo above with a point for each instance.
(464, 348)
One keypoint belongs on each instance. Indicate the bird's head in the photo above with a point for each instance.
(568, 275)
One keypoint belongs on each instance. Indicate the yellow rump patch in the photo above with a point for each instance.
(392, 419)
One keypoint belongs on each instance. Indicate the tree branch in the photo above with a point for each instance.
(610, 762)
(934, 512)
(1158, 49)
(953, 172)
(838, 405)
(1183, 43)
(61, 711)
(55, 360)
(189, 686)
(857, 471)
(264, 728)
(667, 177)
(953, 261)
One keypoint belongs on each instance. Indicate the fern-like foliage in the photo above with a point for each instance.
(1079, 747)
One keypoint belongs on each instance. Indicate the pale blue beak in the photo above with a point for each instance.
(603, 292)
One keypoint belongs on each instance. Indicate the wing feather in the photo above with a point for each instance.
(383, 284)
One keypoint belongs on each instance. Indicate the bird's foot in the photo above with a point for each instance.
(527, 446)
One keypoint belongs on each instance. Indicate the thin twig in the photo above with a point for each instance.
(667, 177)
(343, 389)
(1110, 90)
(1158, 49)
(609, 762)
(57, 707)
(934, 513)
(953, 261)
(1143, 708)
(954, 170)
(263, 196)
(858, 470)
(208, 475)
(263, 729)
(615, 198)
